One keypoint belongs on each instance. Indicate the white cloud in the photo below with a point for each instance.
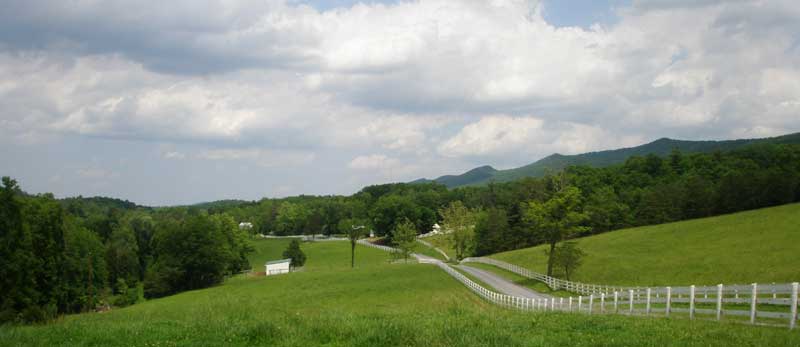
(493, 135)
(373, 162)
(96, 173)
(501, 135)
(261, 157)
(174, 155)
(429, 83)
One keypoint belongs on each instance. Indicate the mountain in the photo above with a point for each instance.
(557, 162)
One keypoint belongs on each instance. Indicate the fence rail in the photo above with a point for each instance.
(766, 304)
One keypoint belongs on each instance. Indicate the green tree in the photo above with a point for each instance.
(294, 253)
(143, 228)
(557, 219)
(492, 232)
(405, 239)
(190, 254)
(606, 211)
(459, 221)
(17, 284)
(392, 209)
(568, 257)
(85, 269)
(122, 256)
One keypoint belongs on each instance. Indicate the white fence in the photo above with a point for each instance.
(767, 304)
(772, 304)
(370, 244)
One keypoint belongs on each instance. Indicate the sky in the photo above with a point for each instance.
(186, 101)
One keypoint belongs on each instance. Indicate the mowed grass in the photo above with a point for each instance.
(754, 246)
(266, 250)
(375, 304)
(444, 243)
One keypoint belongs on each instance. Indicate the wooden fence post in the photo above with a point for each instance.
(753, 303)
(793, 322)
(552, 304)
(774, 294)
(561, 304)
(630, 300)
(580, 301)
(602, 302)
(616, 296)
(647, 310)
(691, 302)
(570, 304)
(669, 302)
(719, 301)
(591, 302)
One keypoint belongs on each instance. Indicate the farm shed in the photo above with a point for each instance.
(276, 267)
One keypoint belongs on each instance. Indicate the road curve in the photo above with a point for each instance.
(501, 284)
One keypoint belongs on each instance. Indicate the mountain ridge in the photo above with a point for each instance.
(556, 161)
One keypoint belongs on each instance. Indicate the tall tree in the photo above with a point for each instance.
(557, 219)
(293, 252)
(492, 232)
(122, 256)
(459, 221)
(16, 283)
(405, 239)
(84, 268)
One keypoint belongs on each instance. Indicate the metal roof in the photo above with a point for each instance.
(287, 260)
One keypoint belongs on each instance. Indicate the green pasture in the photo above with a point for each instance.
(754, 246)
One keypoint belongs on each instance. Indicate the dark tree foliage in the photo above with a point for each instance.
(193, 253)
(493, 233)
(294, 253)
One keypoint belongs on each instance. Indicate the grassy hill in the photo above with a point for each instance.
(754, 246)
(376, 304)
(557, 162)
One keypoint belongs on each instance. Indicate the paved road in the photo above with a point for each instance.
(501, 284)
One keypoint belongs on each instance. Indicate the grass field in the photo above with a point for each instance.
(442, 242)
(266, 250)
(425, 250)
(375, 304)
(754, 246)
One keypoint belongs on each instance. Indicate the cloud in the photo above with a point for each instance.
(96, 173)
(430, 85)
(499, 135)
(373, 162)
(174, 155)
(262, 157)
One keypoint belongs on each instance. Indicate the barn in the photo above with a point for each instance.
(276, 267)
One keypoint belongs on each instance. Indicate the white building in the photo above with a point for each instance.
(245, 225)
(277, 267)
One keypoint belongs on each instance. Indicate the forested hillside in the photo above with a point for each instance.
(557, 162)
(83, 254)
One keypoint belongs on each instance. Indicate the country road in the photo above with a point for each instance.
(501, 284)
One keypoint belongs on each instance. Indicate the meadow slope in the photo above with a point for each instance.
(754, 246)
(375, 304)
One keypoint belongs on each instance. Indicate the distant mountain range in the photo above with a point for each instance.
(556, 162)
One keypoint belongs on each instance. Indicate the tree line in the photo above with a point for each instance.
(78, 255)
